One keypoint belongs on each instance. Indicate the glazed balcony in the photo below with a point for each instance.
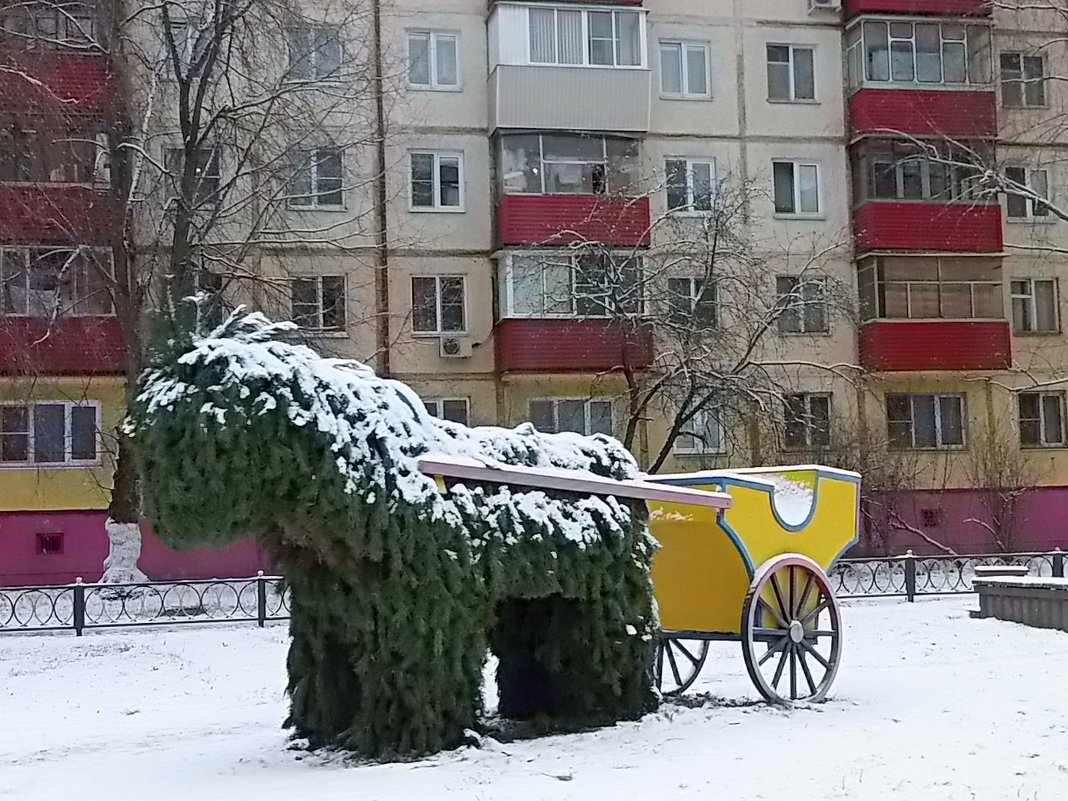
(571, 345)
(924, 226)
(68, 346)
(963, 114)
(936, 8)
(565, 219)
(921, 345)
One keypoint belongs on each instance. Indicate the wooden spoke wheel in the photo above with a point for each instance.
(791, 630)
(678, 663)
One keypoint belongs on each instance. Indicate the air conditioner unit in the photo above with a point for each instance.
(824, 5)
(454, 347)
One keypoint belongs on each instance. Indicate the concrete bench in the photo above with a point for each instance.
(995, 571)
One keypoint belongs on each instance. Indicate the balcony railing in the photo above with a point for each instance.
(572, 346)
(65, 346)
(936, 8)
(923, 226)
(962, 114)
(919, 345)
(565, 219)
(62, 83)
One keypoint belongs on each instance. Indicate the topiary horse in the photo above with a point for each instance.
(398, 585)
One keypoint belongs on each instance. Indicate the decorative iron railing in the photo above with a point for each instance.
(263, 598)
(81, 606)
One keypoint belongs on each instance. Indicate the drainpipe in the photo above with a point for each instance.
(382, 327)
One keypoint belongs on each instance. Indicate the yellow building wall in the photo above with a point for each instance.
(28, 488)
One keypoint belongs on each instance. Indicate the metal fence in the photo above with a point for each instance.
(77, 607)
(81, 606)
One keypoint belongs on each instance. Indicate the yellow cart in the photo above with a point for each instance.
(754, 573)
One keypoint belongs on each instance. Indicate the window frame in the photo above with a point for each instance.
(785, 307)
(937, 398)
(320, 308)
(697, 290)
(1031, 204)
(797, 164)
(433, 35)
(173, 163)
(437, 208)
(792, 72)
(684, 83)
(643, 46)
(587, 403)
(68, 435)
(688, 210)
(808, 427)
(439, 404)
(308, 29)
(573, 292)
(310, 161)
(437, 278)
(1031, 298)
(1023, 80)
(871, 273)
(702, 449)
(1043, 443)
(27, 255)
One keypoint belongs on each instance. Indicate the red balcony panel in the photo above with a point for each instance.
(571, 346)
(924, 112)
(71, 346)
(937, 8)
(53, 214)
(912, 345)
(592, 2)
(916, 226)
(562, 219)
(43, 83)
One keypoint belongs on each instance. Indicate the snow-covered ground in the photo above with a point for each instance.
(928, 705)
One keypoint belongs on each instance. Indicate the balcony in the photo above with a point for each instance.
(564, 219)
(563, 98)
(571, 346)
(917, 345)
(936, 8)
(63, 82)
(69, 346)
(963, 114)
(928, 227)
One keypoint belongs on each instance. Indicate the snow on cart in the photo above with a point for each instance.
(744, 557)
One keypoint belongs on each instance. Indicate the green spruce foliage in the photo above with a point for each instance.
(398, 585)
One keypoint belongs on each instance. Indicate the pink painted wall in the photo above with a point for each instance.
(85, 545)
(1041, 523)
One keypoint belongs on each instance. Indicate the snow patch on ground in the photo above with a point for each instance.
(929, 705)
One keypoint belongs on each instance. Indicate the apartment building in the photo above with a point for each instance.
(522, 142)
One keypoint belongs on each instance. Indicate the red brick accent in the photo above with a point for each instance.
(570, 346)
(560, 219)
(924, 112)
(44, 214)
(917, 226)
(61, 83)
(938, 8)
(70, 346)
(910, 345)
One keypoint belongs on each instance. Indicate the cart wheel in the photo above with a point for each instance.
(678, 663)
(791, 630)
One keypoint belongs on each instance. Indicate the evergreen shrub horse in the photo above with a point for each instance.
(400, 586)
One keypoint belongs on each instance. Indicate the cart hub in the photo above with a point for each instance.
(797, 631)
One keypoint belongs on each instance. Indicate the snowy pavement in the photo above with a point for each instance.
(928, 705)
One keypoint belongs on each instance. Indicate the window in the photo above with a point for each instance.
(690, 184)
(50, 544)
(917, 53)
(437, 181)
(802, 305)
(703, 433)
(454, 410)
(51, 25)
(1034, 305)
(314, 53)
(206, 174)
(573, 285)
(692, 301)
(791, 74)
(317, 182)
(553, 415)
(1041, 419)
(585, 37)
(931, 518)
(925, 421)
(568, 164)
(1022, 207)
(64, 156)
(438, 304)
(684, 69)
(904, 171)
(432, 62)
(319, 302)
(923, 288)
(808, 422)
(1023, 81)
(56, 432)
(52, 282)
(796, 188)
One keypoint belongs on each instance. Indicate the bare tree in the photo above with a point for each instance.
(1003, 475)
